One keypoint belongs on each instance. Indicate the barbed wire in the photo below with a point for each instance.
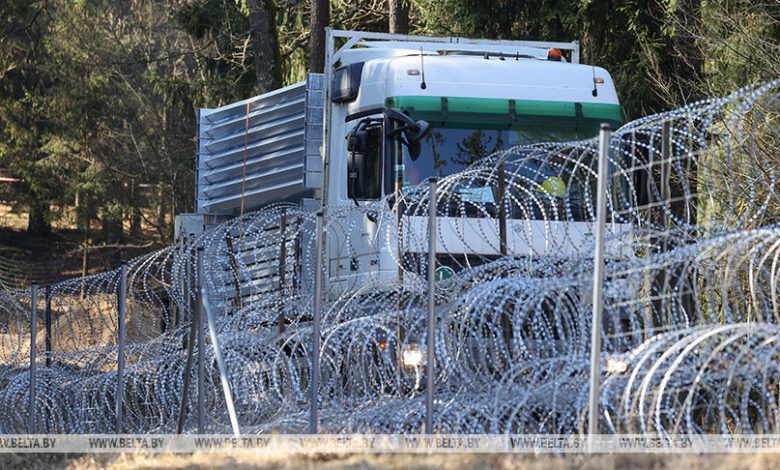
(690, 317)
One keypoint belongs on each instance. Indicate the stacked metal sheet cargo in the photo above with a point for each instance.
(260, 150)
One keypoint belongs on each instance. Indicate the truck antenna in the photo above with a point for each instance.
(595, 91)
(422, 70)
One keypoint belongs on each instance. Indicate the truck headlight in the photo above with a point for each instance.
(412, 355)
(616, 365)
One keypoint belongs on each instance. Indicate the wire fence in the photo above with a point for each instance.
(690, 320)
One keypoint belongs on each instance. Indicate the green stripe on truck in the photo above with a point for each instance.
(455, 109)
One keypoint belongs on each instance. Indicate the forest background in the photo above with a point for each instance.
(98, 98)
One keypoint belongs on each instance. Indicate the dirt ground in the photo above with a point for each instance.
(59, 256)
(391, 461)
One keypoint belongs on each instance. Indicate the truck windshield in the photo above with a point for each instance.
(542, 190)
(467, 130)
(446, 151)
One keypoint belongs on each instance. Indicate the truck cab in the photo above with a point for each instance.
(467, 101)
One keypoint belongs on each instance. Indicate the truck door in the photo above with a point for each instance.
(353, 230)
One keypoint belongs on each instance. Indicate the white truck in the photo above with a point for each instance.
(389, 112)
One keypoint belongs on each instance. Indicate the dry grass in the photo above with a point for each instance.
(391, 461)
(11, 219)
(81, 325)
(17, 220)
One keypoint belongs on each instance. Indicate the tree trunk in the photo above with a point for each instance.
(264, 44)
(113, 230)
(688, 59)
(399, 17)
(38, 224)
(319, 20)
(85, 258)
(161, 211)
(135, 211)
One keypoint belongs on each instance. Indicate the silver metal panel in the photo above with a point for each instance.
(259, 261)
(313, 132)
(261, 150)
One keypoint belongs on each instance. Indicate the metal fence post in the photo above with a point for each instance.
(502, 203)
(282, 264)
(48, 325)
(598, 285)
(121, 299)
(33, 334)
(201, 344)
(221, 365)
(185, 393)
(431, 307)
(181, 311)
(315, 346)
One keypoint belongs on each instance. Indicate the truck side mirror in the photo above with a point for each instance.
(414, 136)
(356, 161)
(419, 131)
(364, 161)
(413, 131)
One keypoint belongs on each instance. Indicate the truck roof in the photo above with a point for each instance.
(470, 76)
